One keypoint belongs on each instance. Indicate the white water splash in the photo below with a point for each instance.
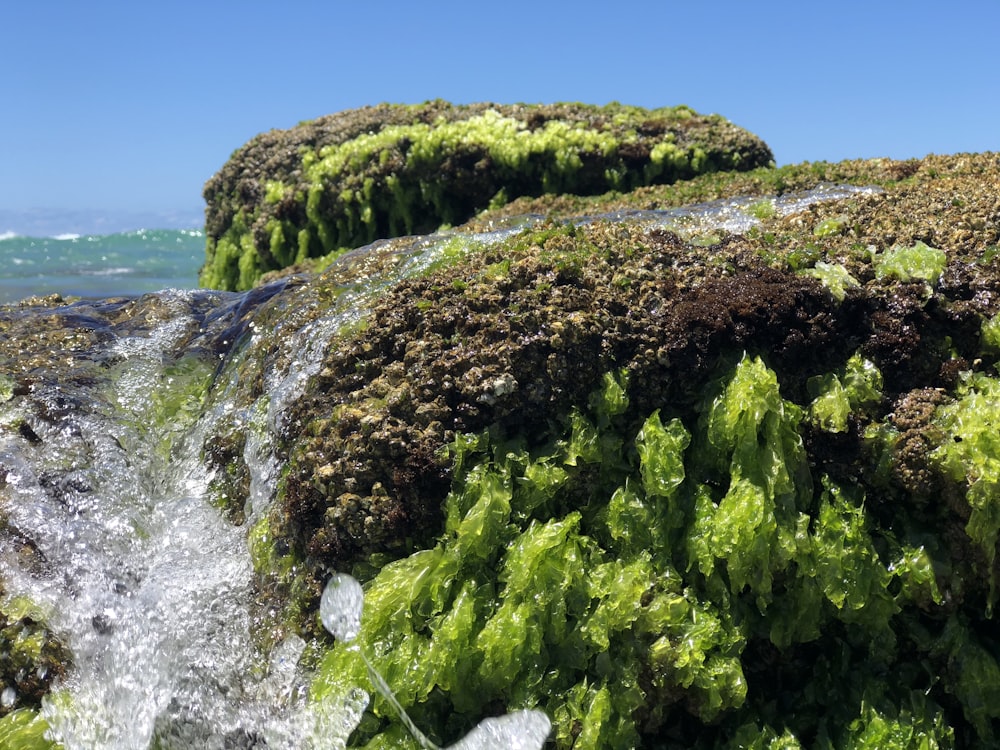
(143, 579)
(340, 607)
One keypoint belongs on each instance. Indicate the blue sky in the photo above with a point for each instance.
(128, 107)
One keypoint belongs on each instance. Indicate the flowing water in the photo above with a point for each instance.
(107, 526)
(130, 562)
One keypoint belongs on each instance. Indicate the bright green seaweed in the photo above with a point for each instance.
(24, 729)
(626, 575)
(413, 173)
(970, 454)
(919, 262)
(838, 395)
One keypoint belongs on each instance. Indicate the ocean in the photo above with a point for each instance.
(100, 265)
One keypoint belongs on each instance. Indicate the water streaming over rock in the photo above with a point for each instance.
(108, 525)
(130, 562)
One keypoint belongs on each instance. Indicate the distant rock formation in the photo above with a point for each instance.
(350, 178)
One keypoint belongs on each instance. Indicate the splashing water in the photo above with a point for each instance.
(340, 607)
(135, 569)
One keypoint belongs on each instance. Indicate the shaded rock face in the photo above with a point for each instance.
(347, 179)
(523, 332)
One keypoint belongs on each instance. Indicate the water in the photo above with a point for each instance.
(100, 265)
(149, 586)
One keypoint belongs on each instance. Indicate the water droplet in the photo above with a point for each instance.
(7, 697)
(340, 606)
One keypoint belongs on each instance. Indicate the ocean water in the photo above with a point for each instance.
(100, 265)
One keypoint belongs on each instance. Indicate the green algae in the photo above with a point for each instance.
(413, 169)
(6, 388)
(990, 334)
(969, 453)
(919, 262)
(31, 657)
(24, 729)
(624, 575)
(836, 396)
(829, 227)
(863, 517)
(762, 209)
(834, 277)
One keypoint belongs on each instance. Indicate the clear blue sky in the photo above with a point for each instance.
(131, 106)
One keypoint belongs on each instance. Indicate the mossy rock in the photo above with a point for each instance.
(675, 494)
(347, 179)
(675, 488)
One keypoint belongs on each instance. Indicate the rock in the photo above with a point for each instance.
(478, 424)
(672, 481)
(347, 179)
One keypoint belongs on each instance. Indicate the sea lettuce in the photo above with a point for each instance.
(990, 334)
(834, 277)
(908, 728)
(752, 437)
(25, 729)
(530, 603)
(630, 575)
(917, 263)
(969, 454)
(837, 395)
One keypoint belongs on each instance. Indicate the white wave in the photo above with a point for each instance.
(8, 235)
(108, 272)
(67, 236)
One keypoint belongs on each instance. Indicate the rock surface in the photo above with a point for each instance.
(514, 343)
(677, 482)
(347, 179)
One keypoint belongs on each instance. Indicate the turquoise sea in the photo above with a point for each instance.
(100, 265)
